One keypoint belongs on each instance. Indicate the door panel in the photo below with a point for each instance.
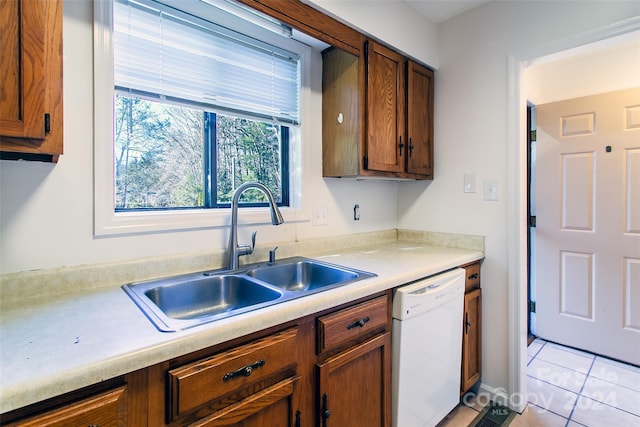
(632, 199)
(577, 191)
(588, 223)
(354, 386)
(576, 284)
(420, 119)
(632, 294)
(385, 109)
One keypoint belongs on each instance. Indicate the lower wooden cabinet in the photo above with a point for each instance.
(274, 406)
(108, 409)
(354, 365)
(355, 385)
(281, 377)
(471, 329)
(246, 382)
(331, 368)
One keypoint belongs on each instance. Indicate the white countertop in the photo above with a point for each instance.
(72, 341)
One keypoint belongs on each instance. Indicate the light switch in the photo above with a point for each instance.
(469, 182)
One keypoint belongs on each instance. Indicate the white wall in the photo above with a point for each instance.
(46, 210)
(391, 21)
(471, 126)
(593, 69)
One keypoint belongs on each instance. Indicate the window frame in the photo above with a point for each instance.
(107, 221)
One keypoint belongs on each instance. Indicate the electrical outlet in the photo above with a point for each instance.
(319, 215)
(491, 190)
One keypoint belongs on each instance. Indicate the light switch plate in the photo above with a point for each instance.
(491, 190)
(319, 215)
(469, 182)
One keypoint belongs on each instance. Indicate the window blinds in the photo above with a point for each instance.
(162, 53)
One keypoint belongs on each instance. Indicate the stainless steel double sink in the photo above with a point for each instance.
(188, 300)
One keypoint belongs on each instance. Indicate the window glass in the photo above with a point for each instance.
(199, 109)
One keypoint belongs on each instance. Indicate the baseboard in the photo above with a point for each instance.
(499, 395)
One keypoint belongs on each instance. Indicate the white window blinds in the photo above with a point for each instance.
(162, 53)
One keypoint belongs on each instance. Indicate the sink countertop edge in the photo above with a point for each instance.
(86, 344)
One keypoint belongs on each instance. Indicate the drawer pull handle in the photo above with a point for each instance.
(358, 323)
(473, 276)
(245, 371)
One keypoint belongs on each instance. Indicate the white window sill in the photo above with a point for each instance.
(148, 222)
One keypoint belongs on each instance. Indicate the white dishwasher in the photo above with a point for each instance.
(427, 349)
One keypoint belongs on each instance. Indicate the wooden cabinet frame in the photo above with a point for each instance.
(471, 367)
(392, 106)
(31, 122)
(355, 385)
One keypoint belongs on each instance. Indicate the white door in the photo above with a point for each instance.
(588, 223)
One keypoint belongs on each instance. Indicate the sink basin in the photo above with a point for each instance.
(209, 296)
(303, 275)
(180, 302)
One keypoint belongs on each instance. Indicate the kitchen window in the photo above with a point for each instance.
(202, 101)
(199, 109)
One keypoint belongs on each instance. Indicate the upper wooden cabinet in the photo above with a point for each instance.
(419, 151)
(388, 99)
(31, 74)
(386, 141)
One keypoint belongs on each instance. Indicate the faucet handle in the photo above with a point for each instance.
(247, 249)
(253, 241)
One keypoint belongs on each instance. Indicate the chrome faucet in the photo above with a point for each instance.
(235, 250)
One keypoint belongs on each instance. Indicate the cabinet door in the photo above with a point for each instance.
(471, 340)
(386, 144)
(22, 68)
(106, 410)
(355, 385)
(273, 407)
(31, 75)
(419, 120)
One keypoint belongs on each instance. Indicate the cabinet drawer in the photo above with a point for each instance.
(264, 408)
(105, 409)
(352, 324)
(197, 383)
(472, 277)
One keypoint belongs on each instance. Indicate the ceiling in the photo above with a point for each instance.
(440, 10)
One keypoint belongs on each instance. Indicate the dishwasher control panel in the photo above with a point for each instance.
(427, 294)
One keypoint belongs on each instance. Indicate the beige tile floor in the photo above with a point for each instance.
(568, 388)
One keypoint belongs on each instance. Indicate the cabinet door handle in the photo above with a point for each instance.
(358, 323)
(411, 146)
(401, 145)
(245, 371)
(326, 413)
(473, 276)
(466, 323)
